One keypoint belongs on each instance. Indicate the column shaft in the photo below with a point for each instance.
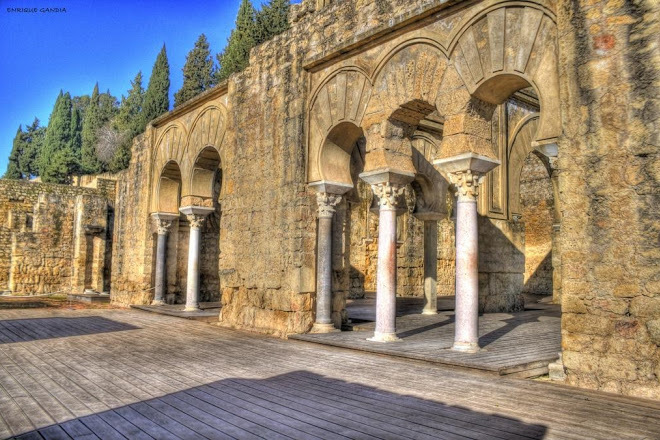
(327, 203)
(160, 284)
(430, 267)
(467, 276)
(386, 277)
(192, 289)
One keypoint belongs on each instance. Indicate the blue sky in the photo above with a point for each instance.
(107, 41)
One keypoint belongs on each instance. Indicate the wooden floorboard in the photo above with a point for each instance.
(131, 374)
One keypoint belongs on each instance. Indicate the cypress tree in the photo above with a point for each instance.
(13, 167)
(156, 98)
(58, 160)
(197, 72)
(128, 121)
(108, 106)
(93, 121)
(129, 111)
(76, 139)
(236, 55)
(272, 19)
(34, 139)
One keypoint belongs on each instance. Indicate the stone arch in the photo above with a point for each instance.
(205, 167)
(507, 47)
(170, 147)
(407, 81)
(204, 152)
(519, 149)
(168, 191)
(335, 119)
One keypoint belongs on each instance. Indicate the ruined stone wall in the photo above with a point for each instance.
(537, 203)
(40, 227)
(609, 178)
(133, 245)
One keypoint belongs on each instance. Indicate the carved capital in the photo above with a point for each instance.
(163, 226)
(466, 183)
(327, 203)
(196, 221)
(387, 193)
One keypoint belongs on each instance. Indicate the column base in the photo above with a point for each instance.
(324, 328)
(191, 309)
(429, 312)
(465, 347)
(384, 337)
(158, 302)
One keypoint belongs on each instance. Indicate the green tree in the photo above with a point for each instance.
(236, 55)
(13, 167)
(91, 124)
(128, 123)
(272, 19)
(128, 117)
(76, 138)
(34, 139)
(108, 106)
(58, 160)
(156, 98)
(198, 72)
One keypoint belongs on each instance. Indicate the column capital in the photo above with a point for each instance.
(164, 221)
(465, 172)
(196, 215)
(466, 183)
(327, 203)
(388, 193)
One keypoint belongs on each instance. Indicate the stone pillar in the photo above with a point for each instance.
(196, 216)
(387, 186)
(430, 267)
(328, 197)
(464, 172)
(163, 225)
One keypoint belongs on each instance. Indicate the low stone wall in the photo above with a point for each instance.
(44, 230)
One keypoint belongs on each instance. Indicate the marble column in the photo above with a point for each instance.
(323, 322)
(163, 224)
(328, 197)
(430, 267)
(196, 216)
(464, 172)
(387, 193)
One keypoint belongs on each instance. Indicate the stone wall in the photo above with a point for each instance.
(132, 249)
(537, 204)
(609, 179)
(44, 233)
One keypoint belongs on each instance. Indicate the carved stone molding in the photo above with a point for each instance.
(327, 203)
(196, 215)
(387, 193)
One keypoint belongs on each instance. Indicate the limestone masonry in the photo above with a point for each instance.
(416, 148)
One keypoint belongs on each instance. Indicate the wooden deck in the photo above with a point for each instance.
(131, 374)
(520, 344)
(208, 311)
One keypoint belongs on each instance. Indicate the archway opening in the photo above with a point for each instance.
(537, 209)
(169, 188)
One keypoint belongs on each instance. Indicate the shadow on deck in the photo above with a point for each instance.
(515, 344)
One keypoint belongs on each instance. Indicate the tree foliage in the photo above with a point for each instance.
(236, 55)
(58, 159)
(93, 121)
(34, 140)
(156, 98)
(198, 72)
(272, 19)
(13, 167)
